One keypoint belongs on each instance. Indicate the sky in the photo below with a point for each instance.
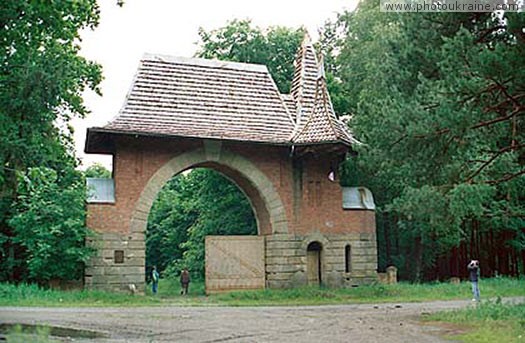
(171, 27)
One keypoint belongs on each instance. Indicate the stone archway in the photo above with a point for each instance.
(265, 200)
(266, 203)
(260, 192)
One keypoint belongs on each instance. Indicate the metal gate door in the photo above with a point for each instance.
(234, 263)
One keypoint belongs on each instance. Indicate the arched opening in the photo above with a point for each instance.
(194, 204)
(269, 211)
(313, 263)
(348, 258)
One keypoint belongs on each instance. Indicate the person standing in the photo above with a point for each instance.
(184, 281)
(154, 280)
(473, 268)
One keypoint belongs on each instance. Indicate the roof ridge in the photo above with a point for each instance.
(203, 62)
(302, 62)
(321, 78)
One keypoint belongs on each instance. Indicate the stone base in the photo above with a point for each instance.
(286, 260)
(118, 264)
(120, 261)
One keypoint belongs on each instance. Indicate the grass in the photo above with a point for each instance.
(169, 294)
(36, 335)
(490, 321)
(401, 292)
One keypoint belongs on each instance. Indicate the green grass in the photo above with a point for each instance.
(169, 293)
(401, 292)
(490, 321)
(37, 335)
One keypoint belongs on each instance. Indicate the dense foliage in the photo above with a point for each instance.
(42, 78)
(191, 206)
(240, 41)
(97, 170)
(439, 99)
(50, 224)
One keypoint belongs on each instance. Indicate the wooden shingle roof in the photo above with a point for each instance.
(211, 99)
(191, 97)
(291, 105)
(305, 78)
(320, 124)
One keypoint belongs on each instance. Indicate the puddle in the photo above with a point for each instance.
(52, 331)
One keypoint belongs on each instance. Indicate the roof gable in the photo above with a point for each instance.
(191, 97)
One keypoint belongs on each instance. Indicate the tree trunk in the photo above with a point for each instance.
(418, 258)
(386, 232)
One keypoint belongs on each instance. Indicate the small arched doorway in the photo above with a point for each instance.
(313, 263)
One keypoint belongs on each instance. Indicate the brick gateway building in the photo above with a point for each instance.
(281, 150)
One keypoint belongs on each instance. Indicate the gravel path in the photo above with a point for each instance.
(396, 322)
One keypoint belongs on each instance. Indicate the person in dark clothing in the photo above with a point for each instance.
(154, 280)
(473, 268)
(184, 281)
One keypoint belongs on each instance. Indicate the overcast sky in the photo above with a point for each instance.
(170, 27)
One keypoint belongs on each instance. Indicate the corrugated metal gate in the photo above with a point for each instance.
(234, 263)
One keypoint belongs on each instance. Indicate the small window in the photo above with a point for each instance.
(100, 190)
(348, 258)
(119, 256)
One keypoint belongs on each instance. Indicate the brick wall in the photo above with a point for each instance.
(305, 200)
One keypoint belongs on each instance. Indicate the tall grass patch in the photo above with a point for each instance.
(33, 295)
(489, 321)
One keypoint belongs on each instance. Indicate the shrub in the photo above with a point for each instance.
(50, 224)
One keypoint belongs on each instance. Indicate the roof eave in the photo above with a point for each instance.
(93, 147)
(98, 142)
(338, 141)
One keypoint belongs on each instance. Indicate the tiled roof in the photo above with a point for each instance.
(320, 124)
(290, 104)
(305, 78)
(192, 97)
(199, 98)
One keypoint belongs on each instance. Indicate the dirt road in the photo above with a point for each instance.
(342, 323)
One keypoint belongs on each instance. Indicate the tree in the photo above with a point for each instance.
(97, 170)
(438, 101)
(171, 215)
(241, 42)
(50, 224)
(42, 78)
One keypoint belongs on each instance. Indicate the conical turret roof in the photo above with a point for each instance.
(317, 122)
(304, 80)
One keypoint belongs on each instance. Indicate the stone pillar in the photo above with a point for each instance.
(119, 263)
(391, 275)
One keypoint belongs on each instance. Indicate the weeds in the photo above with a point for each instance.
(39, 334)
(490, 321)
